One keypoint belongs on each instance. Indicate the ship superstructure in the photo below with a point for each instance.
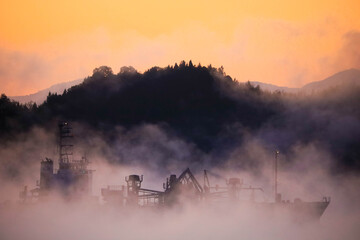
(72, 179)
(186, 189)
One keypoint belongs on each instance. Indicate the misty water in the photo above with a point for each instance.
(59, 219)
(228, 128)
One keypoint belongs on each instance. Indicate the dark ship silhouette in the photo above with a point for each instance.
(74, 180)
(186, 188)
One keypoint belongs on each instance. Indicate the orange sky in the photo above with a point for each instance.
(282, 42)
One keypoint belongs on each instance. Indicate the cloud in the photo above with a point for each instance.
(349, 54)
(260, 49)
(22, 70)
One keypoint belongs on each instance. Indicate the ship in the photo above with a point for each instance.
(186, 189)
(73, 180)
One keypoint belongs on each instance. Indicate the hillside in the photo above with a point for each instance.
(196, 102)
(348, 77)
(351, 77)
(272, 87)
(199, 108)
(40, 96)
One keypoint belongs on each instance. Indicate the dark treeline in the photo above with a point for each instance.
(201, 105)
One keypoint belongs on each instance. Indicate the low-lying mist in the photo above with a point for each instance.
(151, 151)
(165, 120)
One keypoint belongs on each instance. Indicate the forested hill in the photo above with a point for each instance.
(201, 105)
(196, 102)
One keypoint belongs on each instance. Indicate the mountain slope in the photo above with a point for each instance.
(201, 107)
(347, 77)
(273, 88)
(196, 102)
(40, 96)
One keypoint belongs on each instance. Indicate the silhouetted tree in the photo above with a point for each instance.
(102, 71)
(182, 64)
(191, 64)
(127, 70)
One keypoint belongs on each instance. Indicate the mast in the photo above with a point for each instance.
(275, 175)
(65, 144)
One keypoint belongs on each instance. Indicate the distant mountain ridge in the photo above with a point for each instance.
(200, 108)
(40, 96)
(346, 77)
(273, 88)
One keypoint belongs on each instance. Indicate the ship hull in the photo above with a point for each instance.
(297, 211)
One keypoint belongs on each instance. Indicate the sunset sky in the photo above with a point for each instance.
(287, 43)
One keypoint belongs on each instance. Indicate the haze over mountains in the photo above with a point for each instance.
(346, 77)
(190, 115)
(40, 96)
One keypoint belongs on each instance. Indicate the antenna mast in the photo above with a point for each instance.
(65, 144)
(275, 175)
